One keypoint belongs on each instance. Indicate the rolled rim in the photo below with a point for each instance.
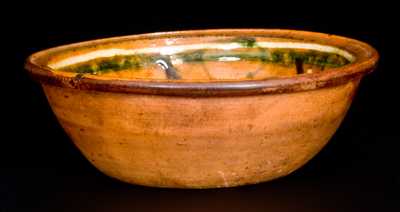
(366, 61)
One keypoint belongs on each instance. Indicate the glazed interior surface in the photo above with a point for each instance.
(212, 58)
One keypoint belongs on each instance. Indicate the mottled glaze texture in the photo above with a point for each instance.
(199, 142)
(237, 58)
(172, 133)
(290, 61)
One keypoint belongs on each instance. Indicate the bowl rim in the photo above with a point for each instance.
(366, 61)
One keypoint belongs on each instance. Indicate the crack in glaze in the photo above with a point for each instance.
(222, 174)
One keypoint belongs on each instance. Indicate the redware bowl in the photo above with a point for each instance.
(188, 131)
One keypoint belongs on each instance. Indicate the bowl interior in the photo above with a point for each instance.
(199, 58)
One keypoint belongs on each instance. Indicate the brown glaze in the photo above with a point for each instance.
(209, 134)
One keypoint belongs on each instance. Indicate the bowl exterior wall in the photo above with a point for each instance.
(200, 142)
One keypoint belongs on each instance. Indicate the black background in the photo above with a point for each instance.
(43, 171)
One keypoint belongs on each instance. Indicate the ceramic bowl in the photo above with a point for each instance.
(203, 108)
